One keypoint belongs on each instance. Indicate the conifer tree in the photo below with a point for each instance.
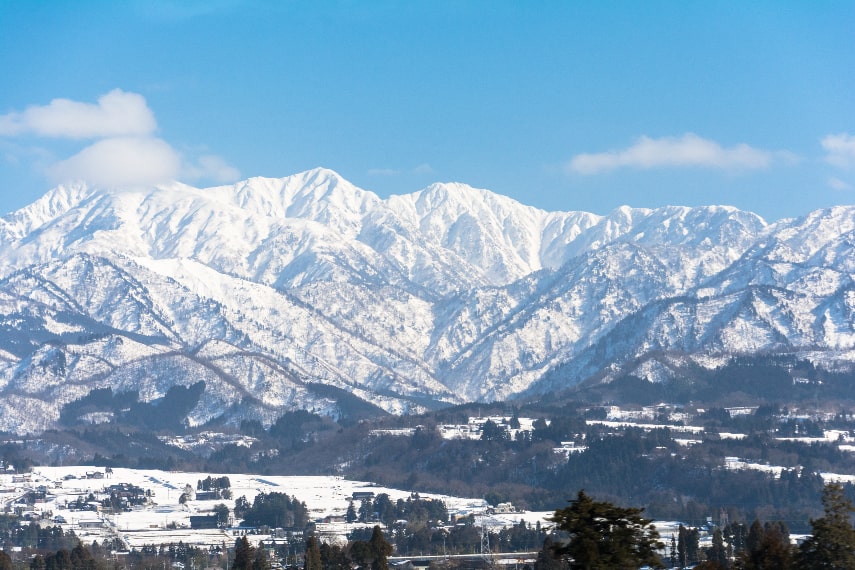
(244, 555)
(380, 548)
(717, 553)
(333, 557)
(682, 551)
(832, 540)
(313, 555)
(771, 552)
(604, 536)
(260, 561)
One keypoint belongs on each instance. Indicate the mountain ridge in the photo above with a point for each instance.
(445, 295)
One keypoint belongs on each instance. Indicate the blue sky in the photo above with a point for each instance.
(560, 105)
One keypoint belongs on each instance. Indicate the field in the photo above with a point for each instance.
(164, 519)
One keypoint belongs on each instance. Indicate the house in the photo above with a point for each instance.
(204, 521)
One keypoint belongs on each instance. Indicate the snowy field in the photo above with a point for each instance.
(166, 520)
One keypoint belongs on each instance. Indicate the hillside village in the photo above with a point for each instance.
(132, 509)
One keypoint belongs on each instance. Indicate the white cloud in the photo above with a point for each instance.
(423, 168)
(383, 172)
(688, 150)
(116, 113)
(125, 152)
(838, 184)
(211, 167)
(122, 161)
(840, 149)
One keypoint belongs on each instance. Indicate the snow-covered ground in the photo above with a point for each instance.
(166, 520)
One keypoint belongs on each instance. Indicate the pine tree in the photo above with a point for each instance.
(380, 548)
(693, 548)
(773, 552)
(755, 538)
(333, 557)
(545, 559)
(313, 555)
(832, 541)
(603, 536)
(366, 510)
(717, 553)
(260, 561)
(244, 555)
(682, 550)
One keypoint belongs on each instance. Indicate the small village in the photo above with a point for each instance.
(139, 509)
(134, 509)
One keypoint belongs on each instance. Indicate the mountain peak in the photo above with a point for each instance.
(447, 294)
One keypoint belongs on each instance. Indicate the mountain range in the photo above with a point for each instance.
(299, 292)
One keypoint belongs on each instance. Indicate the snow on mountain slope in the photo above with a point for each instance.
(267, 287)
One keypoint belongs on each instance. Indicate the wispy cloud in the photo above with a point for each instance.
(210, 167)
(125, 151)
(840, 150)
(116, 113)
(687, 150)
(837, 184)
(423, 168)
(383, 172)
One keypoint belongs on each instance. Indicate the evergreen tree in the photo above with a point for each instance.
(717, 553)
(491, 431)
(260, 561)
(360, 554)
(333, 557)
(604, 536)
(735, 535)
(222, 512)
(385, 509)
(244, 555)
(366, 510)
(5, 561)
(81, 559)
(61, 560)
(380, 548)
(351, 513)
(682, 551)
(771, 552)
(545, 559)
(313, 554)
(832, 541)
(241, 507)
(693, 548)
(754, 539)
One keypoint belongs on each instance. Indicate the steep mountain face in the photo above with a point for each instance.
(268, 289)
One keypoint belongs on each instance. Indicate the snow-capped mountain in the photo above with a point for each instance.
(268, 289)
